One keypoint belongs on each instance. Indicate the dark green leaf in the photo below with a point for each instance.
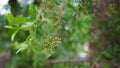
(108, 55)
(71, 6)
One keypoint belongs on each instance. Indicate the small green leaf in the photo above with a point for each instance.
(10, 19)
(33, 10)
(108, 55)
(19, 50)
(27, 26)
(9, 27)
(22, 46)
(112, 8)
(16, 21)
(19, 20)
(71, 6)
(13, 35)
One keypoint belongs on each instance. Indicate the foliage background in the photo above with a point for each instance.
(79, 28)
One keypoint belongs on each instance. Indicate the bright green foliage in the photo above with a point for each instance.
(20, 46)
(16, 21)
(19, 20)
(46, 25)
(36, 33)
(33, 10)
(13, 35)
(10, 18)
(9, 27)
(21, 23)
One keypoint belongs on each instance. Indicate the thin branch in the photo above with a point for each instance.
(68, 61)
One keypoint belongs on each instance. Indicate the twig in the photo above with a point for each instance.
(68, 61)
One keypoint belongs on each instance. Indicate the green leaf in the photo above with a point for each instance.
(108, 55)
(9, 27)
(71, 6)
(22, 46)
(112, 8)
(27, 26)
(13, 35)
(19, 20)
(16, 21)
(33, 10)
(10, 19)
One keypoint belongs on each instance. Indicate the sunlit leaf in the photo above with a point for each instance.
(33, 10)
(9, 27)
(19, 20)
(22, 47)
(27, 26)
(10, 19)
(13, 35)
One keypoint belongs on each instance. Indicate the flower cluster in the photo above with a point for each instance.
(51, 42)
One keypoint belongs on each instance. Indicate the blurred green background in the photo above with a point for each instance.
(59, 33)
